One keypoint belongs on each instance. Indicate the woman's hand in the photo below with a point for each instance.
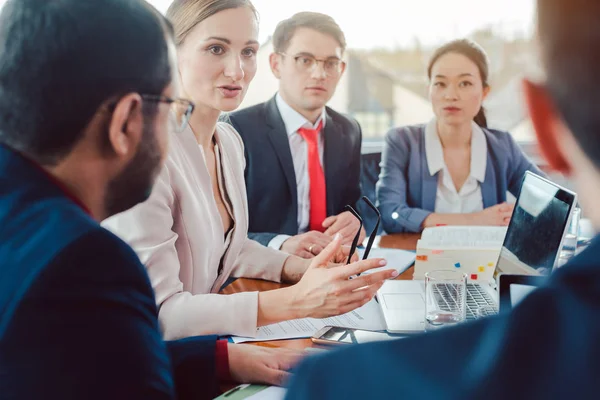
(498, 215)
(326, 289)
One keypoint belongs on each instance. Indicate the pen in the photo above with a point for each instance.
(235, 389)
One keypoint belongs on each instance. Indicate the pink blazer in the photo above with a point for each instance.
(178, 235)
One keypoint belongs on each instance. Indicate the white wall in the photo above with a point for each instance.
(410, 107)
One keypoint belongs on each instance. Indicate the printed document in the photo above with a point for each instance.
(367, 317)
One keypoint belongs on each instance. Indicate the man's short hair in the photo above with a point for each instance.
(569, 34)
(319, 22)
(62, 59)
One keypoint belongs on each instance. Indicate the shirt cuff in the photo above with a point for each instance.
(277, 241)
(222, 360)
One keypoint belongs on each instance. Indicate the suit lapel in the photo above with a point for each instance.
(488, 186)
(332, 152)
(278, 136)
(429, 188)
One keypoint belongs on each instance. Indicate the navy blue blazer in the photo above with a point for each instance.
(406, 192)
(77, 313)
(547, 348)
(270, 175)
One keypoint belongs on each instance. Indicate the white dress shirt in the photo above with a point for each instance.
(293, 121)
(448, 200)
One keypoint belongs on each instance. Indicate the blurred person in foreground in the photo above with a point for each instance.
(86, 101)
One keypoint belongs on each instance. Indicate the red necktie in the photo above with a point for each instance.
(318, 193)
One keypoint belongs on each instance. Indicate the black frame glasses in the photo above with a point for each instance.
(182, 109)
(332, 65)
(357, 236)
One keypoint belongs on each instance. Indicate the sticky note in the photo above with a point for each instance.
(482, 269)
(457, 265)
(473, 277)
(421, 258)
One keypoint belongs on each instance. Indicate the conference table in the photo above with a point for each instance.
(403, 241)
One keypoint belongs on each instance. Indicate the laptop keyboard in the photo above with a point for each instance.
(476, 298)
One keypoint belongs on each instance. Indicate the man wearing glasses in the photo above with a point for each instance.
(547, 347)
(302, 158)
(85, 113)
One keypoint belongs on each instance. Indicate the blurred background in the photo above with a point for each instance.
(389, 45)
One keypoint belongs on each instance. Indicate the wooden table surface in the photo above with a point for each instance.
(404, 241)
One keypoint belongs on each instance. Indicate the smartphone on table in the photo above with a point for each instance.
(333, 335)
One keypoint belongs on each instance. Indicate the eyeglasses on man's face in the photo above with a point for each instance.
(306, 63)
(181, 109)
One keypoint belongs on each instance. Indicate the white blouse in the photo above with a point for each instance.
(448, 200)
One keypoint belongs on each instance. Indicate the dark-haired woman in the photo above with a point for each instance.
(452, 170)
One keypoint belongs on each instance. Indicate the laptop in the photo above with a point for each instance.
(531, 247)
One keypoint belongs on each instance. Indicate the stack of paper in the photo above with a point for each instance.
(473, 250)
(367, 317)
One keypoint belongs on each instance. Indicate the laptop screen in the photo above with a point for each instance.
(536, 229)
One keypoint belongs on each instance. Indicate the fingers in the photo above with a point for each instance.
(504, 216)
(289, 358)
(316, 238)
(363, 235)
(370, 279)
(359, 267)
(276, 377)
(345, 250)
(506, 207)
(345, 222)
(348, 233)
(304, 254)
(327, 254)
(360, 298)
(329, 221)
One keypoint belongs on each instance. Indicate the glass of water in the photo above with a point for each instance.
(569, 246)
(445, 298)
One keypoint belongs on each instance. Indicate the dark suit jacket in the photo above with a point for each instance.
(270, 175)
(547, 348)
(77, 313)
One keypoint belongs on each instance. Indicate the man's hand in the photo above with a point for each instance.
(254, 364)
(346, 225)
(306, 245)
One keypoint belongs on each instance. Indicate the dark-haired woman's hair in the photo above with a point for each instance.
(477, 55)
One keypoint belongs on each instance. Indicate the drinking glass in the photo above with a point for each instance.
(445, 298)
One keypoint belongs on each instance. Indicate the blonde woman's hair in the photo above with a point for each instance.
(186, 14)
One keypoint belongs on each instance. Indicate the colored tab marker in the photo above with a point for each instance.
(482, 269)
(457, 265)
(473, 277)
(421, 258)
(490, 264)
(437, 252)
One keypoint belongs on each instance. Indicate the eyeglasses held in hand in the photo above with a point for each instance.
(357, 236)
(371, 236)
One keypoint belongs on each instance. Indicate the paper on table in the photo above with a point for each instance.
(464, 236)
(367, 317)
(270, 393)
(400, 260)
